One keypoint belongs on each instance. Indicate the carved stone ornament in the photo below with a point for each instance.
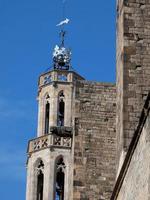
(40, 168)
(61, 165)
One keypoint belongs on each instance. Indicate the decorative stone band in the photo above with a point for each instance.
(58, 76)
(48, 141)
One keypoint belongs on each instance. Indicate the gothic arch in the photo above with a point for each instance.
(39, 159)
(46, 96)
(47, 117)
(59, 181)
(39, 178)
(46, 112)
(61, 92)
(58, 158)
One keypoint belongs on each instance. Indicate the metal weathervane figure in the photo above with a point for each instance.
(62, 55)
(63, 23)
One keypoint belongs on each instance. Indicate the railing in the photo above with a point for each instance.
(47, 141)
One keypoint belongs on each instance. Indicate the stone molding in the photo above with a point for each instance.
(49, 141)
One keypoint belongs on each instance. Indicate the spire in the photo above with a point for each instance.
(61, 54)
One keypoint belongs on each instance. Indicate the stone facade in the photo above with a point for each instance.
(48, 156)
(98, 135)
(95, 141)
(133, 66)
(137, 181)
(133, 182)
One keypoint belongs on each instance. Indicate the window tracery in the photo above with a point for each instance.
(60, 179)
(40, 179)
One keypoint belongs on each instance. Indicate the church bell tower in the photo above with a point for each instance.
(50, 154)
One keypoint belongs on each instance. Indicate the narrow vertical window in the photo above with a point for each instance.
(40, 181)
(61, 109)
(60, 180)
(47, 109)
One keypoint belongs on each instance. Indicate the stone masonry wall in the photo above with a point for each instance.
(136, 184)
(133, 65)
(95, 141)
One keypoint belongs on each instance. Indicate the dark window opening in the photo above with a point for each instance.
(40, 181)
(60, 180)
(47, 109)
(61, 113)
(61, 110)
(40, 186)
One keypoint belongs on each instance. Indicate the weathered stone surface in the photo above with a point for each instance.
(133, 182)
(100, 120)
(95, 141)
(133, 66)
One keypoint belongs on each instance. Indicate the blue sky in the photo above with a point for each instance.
(28, 34)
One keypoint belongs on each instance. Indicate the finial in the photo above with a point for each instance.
(62, 32)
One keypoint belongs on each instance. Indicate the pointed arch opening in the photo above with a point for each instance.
(59, 179)
(47, 114)
(61, 109)
(40, 180)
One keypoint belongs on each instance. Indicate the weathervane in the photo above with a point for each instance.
(63, 23)
(62, 55)
(62, 32)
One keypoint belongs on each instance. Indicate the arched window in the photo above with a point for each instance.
(61, 109)
(59, 179)
(47, 113)
(40, 180)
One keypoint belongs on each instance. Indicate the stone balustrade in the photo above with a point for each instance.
(50, 140)
(54, 76)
